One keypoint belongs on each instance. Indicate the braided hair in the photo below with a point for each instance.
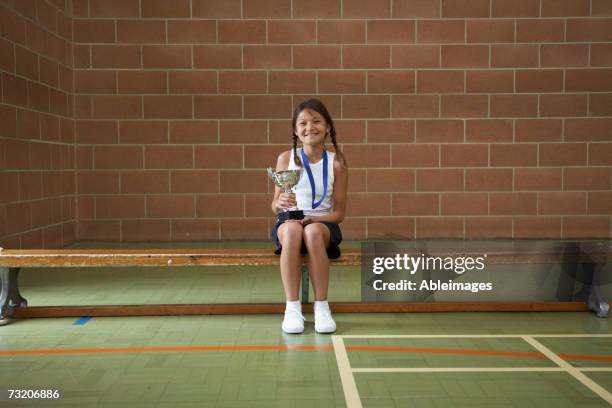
(317, 106)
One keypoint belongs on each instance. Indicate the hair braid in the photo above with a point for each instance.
(339, 154)
(296, 159)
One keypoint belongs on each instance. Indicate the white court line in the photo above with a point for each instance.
(594, 369)
(592, 385)
(351, 394)
(456, 369)
(464, 336)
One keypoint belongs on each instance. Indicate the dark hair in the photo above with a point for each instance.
(317, 106)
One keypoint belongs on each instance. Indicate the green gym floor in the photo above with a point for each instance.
(376, 360)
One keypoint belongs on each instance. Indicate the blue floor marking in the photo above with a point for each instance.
(82, 321)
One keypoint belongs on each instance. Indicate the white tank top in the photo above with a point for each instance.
(303, 190)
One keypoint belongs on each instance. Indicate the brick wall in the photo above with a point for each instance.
(37, 170)
(459, 118)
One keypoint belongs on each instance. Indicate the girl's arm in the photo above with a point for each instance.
(340, 186)
(278, 202)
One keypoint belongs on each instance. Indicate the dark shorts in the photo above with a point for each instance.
(335, 238)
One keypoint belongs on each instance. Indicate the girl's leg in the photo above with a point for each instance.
(316, 238)
(290, 237)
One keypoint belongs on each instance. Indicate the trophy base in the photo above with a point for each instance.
(290, 215)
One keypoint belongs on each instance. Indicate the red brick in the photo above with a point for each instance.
(38, 97)
(415, 56)
(94, 31)
(464, 204)
(370, 204)
(563, 8)
(585, 178)
(244, 228)
(415, 155)
(243, 181)
(488, 179)
(116, 107)
(143, 132)
(425, 106)
(114, 8)
(267, 107)
(166, 56)
(145, 230)
(220, 206)
(141, 31)
(120, 207)
(464, 155)
(390, 131)
(217, 56)
(192, 82)
(316, 9)
(439, 227)
(565, 55)
(192, 32)
(216, 8)
(349, 131)
(366, 9)
(357, 181)
(538, 130)
(218, 157)
(316, 56)
(341, 81)
(589, 227)
(514, 155)
(293, 32)
(193, 131)
(390, 180)
(466, 106)
(195, 181)
(489, 130)
(563, 154)
(465, 8)
(195, 230)
(115, 56)
(440, 180)
(49, 72)
(510, 8)
(441, 31)
(390, 82)
(439, 131)
(261, 156)
(15, 90)
(562, 203)
(84, 157)
(519, 56)
(366, 106)
(365, 156)
(366, 56)
(242, 32)
(145, 182)
(170, 206)
(107, 230)
(537, 227)
(7, 56)
(563, 105)
(600, 154)
(96, 132)
(532, 81)
(267, 57)
(601, 8)
(98, 182)
(600, 202)
(30, 185)
(266, 8)
(465, 56)
(589, 30)
(341, 32)
(218, 107)
(601, 55)
(512, 203)
(141, 82)
(25, 63)
(415, 204)
(537, 179)
(490, 31)
(292, 82)
(163, 8)
(440, 81)
(514, 105)
(488, 227)
(390, 31)
(390, 227)
(27, 124)
(591, 129)
(169, 157)
(600, 104)
(588, 80)
(118, 157)
(415, 8)
(540, 31)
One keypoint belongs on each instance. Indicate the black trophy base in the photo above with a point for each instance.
(290, 215)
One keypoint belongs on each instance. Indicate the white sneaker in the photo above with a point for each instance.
(324, 323)
(293, 323)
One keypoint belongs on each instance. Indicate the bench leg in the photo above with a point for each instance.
(595, 301)
(305, 284)
(10, 296)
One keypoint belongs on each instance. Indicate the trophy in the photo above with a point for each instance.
(287, 179)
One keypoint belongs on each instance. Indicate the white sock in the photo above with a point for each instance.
(321, 304)
(294, 305)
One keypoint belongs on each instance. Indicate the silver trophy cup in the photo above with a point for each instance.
(286, 180)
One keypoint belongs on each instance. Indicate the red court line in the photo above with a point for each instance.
(299, 348)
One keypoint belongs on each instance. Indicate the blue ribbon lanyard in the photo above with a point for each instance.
(311, 178)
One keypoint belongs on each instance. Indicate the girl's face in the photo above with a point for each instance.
(311, 127)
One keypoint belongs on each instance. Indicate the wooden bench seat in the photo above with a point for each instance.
(14, 305)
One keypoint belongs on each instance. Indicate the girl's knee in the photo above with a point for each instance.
(291, 234)
(314, 232)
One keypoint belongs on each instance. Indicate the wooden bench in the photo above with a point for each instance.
(13, 305)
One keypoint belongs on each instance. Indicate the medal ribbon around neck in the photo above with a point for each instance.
(311, 177)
